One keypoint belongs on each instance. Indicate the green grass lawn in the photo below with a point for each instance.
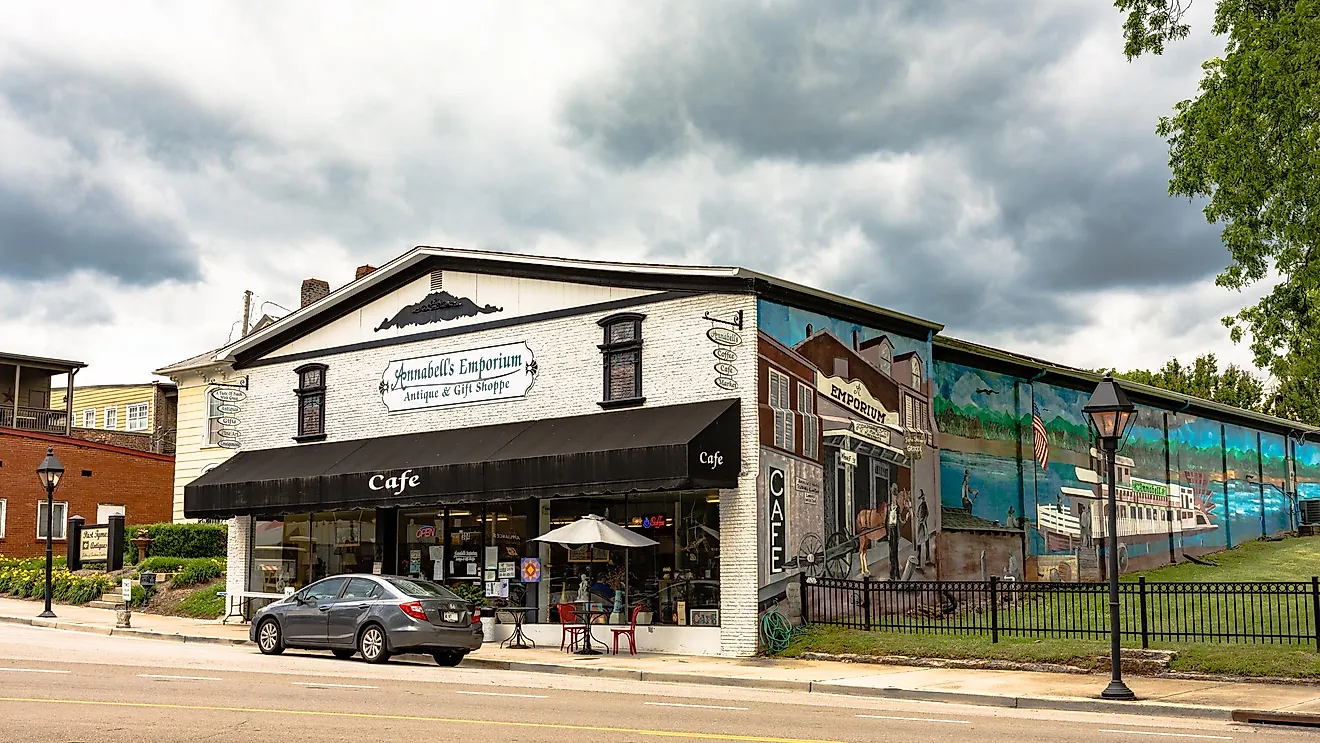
(1292, 559)
(204, 603)
(1297, 661)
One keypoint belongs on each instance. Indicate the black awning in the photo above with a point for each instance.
(697, 446)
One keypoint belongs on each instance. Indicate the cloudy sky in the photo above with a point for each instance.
(989, 164)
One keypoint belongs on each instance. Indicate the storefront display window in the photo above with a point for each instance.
(303, 548)
(670, 580)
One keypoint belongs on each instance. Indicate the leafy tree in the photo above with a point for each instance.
(1202, 378)
(1249, 145)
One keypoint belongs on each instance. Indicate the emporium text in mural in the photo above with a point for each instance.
(854, 396)
(477, 375)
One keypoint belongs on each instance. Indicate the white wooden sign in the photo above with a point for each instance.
(477, 375)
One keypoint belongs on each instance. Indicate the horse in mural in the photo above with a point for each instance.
(873, 524)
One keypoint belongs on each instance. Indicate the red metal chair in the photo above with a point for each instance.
(631, 632)
(572, 634)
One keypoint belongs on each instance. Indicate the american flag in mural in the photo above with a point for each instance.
(1042, 441)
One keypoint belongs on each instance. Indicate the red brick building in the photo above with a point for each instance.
(99, 479)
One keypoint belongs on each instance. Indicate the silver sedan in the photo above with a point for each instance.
(373, 616)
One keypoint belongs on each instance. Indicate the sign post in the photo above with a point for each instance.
(124, 616)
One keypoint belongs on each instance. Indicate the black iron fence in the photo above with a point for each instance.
(1149, 612)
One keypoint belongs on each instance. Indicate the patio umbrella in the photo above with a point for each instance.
(592, 529)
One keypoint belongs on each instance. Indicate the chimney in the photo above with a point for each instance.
(312, 290)
(363, 271)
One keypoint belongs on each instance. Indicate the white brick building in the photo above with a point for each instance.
(433, 416)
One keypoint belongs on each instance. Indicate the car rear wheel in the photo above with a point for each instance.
(447, 658)
(269, 639)
(343, 653)
(371, 645)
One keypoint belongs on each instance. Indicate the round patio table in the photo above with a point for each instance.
(517, 640)
(585, 613)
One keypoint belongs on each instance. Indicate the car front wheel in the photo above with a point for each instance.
(447, 658)
(371, 645)
(269, 639)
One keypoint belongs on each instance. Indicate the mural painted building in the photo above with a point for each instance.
(433, 417)
(1193, 476)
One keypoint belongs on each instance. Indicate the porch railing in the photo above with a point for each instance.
(34, 419)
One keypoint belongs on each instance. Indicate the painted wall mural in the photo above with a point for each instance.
(848, 449)
(1185, 485)
(841, 411)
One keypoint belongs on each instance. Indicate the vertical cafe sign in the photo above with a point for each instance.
(225, 405)
(477, 375)
(778, 508)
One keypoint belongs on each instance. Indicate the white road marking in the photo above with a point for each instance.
(916, 719)
(1169, 735)
(319, 685)
(179, 678)
(497, 694)
(694, 706)
(32, 670)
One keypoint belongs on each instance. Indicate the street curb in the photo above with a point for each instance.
(824, 687)
(145, 634)
(815, 687)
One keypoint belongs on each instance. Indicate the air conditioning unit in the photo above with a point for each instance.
(1310, 510)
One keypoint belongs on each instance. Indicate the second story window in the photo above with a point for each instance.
(112, 418)
(810, 423)
(622, 356)
(779, 402)
(89, 418)
(311, 402)
(136, 417)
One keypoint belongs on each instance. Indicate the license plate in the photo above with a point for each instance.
(450, 616)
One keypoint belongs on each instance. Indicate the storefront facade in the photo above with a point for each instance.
(435, 416)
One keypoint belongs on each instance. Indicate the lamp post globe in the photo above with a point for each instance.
(50, 471)
(1110, 412)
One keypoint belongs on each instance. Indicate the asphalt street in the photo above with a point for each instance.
(66, 687)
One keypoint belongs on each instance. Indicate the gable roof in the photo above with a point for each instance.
(660, 277)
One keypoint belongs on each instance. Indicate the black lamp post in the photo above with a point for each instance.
(1111, 413)
(50, 473)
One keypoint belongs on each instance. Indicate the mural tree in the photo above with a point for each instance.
(1247, 144)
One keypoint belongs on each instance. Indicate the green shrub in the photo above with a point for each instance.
(471, 592)
(197, 571)
(30, 563)
(141, 596)
(26, 581)
(179, 540)
(204, 603)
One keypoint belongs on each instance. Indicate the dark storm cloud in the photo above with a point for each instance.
(44, 236)
(820, 81)
(1082, 207)
(81, 107)
(71, 220)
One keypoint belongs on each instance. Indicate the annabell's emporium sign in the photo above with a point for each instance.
(477, 375)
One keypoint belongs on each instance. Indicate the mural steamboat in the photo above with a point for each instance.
(1148, 510)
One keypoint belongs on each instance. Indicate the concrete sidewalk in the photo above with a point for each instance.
(1022, 689)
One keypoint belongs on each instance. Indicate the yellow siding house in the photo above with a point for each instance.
(142, 412)
(209, 419)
